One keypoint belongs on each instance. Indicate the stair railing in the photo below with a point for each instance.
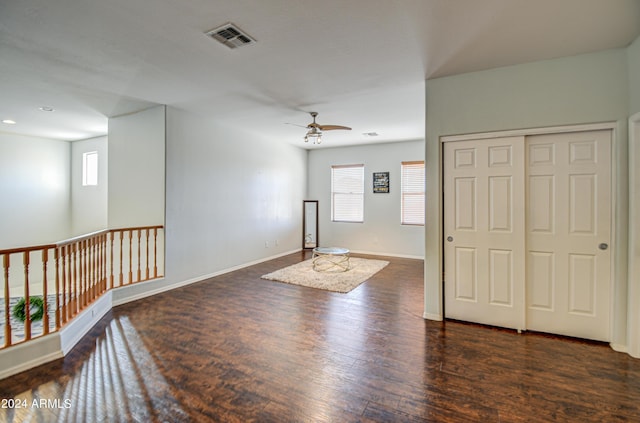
(58, 281)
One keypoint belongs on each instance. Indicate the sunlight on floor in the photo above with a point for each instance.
(107, 387)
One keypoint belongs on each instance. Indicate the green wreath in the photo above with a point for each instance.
(19, 310)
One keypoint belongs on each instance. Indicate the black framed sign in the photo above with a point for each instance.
(380, 182)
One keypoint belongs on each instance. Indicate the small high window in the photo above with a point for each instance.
(90, 168)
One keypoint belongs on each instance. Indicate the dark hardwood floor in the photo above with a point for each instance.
(237, 348)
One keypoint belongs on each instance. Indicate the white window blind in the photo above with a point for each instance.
(413, 182)
(347, 193)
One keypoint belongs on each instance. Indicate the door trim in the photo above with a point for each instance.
(533, 131)
(633, 293)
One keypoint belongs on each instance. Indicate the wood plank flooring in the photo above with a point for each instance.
(237, 348)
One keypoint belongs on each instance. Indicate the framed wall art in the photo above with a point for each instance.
(380, 182)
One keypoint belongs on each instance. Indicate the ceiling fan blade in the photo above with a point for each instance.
(333, 127)
(295, 124)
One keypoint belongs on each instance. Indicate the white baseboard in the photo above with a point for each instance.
(433, 316)
(378, 253)
(121, 297)
(619, 348)
(77, 328)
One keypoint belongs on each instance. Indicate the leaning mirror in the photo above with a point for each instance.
(309, 223)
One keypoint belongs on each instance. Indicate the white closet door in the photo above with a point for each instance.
(568, 233)
(484, 231)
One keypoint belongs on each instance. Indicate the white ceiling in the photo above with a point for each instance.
(360, 63)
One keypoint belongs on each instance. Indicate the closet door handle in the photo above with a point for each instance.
(450, 238)
(603, 246)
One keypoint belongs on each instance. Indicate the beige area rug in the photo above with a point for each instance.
(303, 274)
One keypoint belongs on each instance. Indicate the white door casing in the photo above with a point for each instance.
(633, 293)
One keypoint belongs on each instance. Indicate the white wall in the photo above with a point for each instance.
(34, 188)
(136, 170)
(229, 193)
(381, 231)
(581, 89)
(633, 60)
(88, 203)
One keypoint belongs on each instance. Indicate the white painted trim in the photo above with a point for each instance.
(378, 253)
(123, 299)
(633, 267)
(619, 348)
(530, 131)
(127, 299)
(612, 231)
(78, 327)
(432, 316)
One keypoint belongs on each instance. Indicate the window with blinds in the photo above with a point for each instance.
(347, 193)
(412, 198)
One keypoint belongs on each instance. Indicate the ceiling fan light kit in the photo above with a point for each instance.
(315, 130)
(314, 135)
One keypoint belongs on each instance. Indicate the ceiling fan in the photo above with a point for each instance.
(315, 129)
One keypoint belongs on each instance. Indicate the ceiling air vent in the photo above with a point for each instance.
(231, 36)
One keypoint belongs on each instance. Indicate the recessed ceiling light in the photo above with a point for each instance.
(47, 109)
(9, 121)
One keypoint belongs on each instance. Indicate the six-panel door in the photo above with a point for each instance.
(527, 232)
(568, 234)
(484, 231)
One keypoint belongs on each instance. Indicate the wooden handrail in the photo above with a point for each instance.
(27, 249)
(72, 274)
